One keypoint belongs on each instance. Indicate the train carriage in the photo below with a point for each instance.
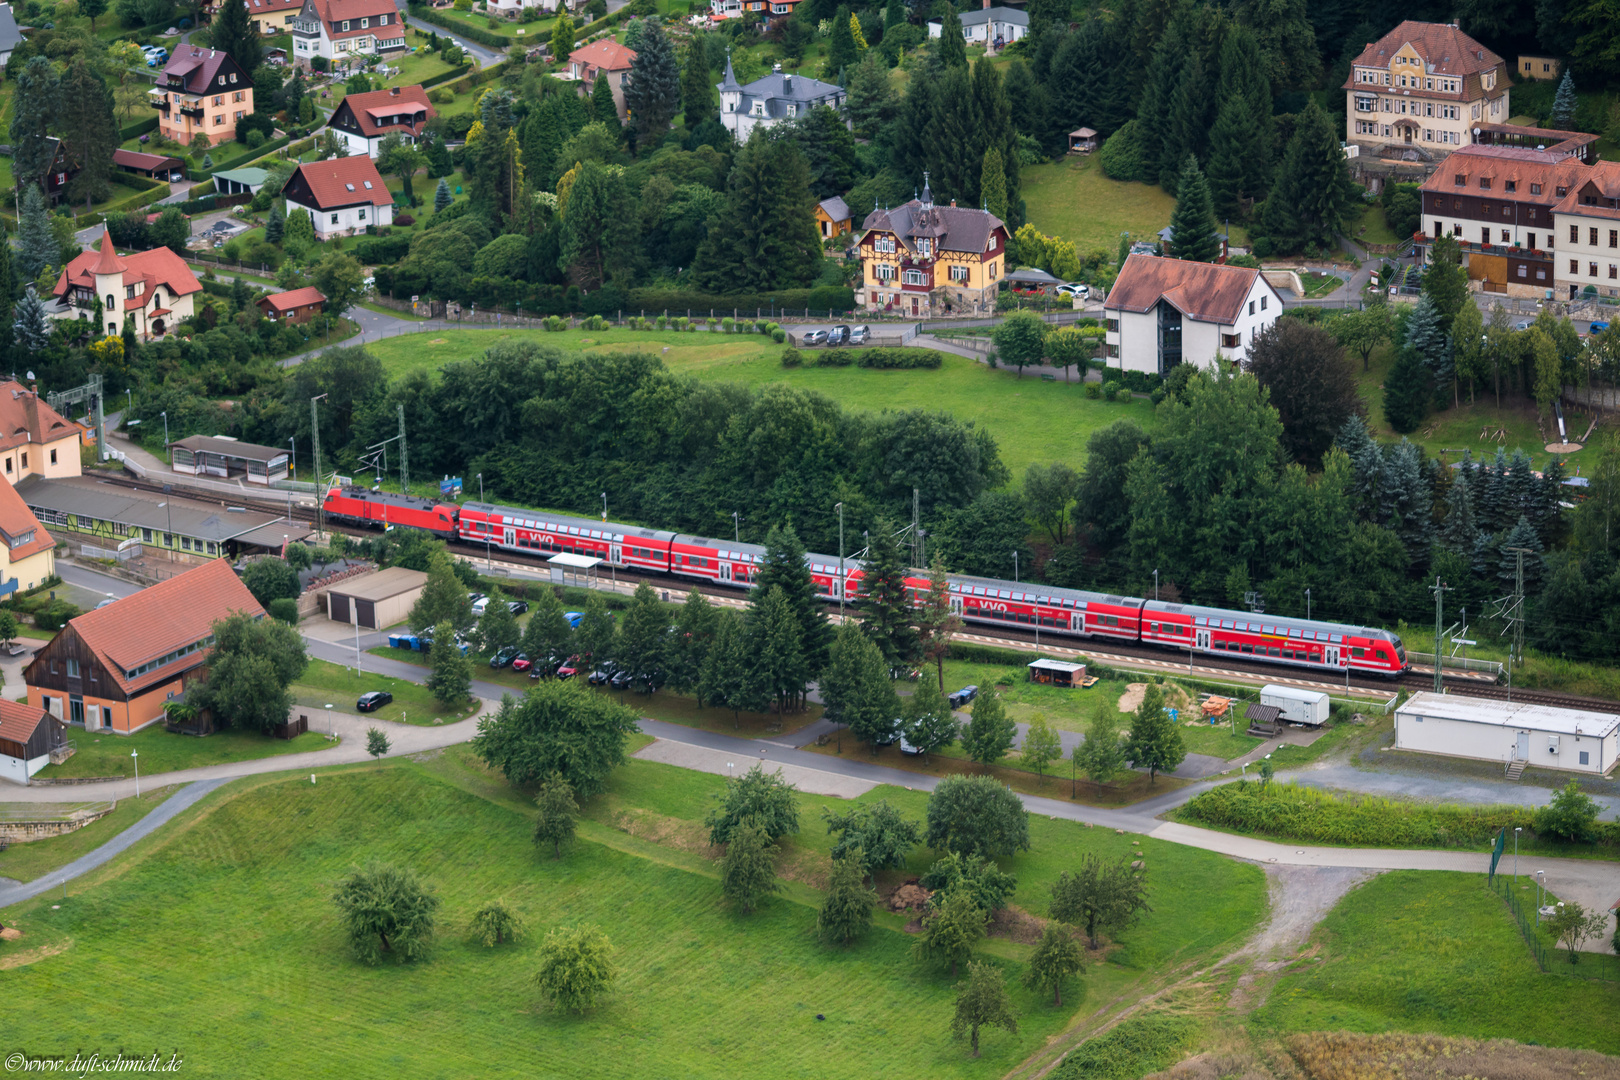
(1296, 642)
(545, 534)
(385, 509)
(1063, 611)
(724, 562)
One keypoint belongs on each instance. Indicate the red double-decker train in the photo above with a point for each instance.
(1300, 643)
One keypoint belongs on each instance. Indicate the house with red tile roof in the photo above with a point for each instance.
(30, 739)
(1425, 86)
(1163, 312)
(364, 120)
(27, 551)
(156, 287)
(35, 440)
(341, 30)
(605, 57)
(297, 306)
(113, 668)
(1586, 226)
(201, 92)
(342, 195)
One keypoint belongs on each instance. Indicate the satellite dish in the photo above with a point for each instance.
(30, 376)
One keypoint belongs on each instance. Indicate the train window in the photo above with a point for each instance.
(1358, 652)
(1288, 654)
(1336, 638)
(1381, 654)
(1274, 651)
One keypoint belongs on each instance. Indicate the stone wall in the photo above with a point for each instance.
(20, 832)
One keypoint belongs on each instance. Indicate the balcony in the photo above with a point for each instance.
(196, 113)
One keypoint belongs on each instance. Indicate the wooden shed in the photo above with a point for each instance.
(1082, 141)
(30, 739)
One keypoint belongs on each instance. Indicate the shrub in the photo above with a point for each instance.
(779, 335)
(1110, 390)
(255, 139)
(55, 615)
(284, 609)
(404, 219)
(792, 357)
(833, 358)
(442, 95)
(1093, 390)
(900, 358)
(728, 325)
(1157, 395)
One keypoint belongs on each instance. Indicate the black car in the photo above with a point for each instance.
(601, 675)
(372, 700)
(838, 335)
(504, 657)
(621, 680)
(962, 697)
(517, 607)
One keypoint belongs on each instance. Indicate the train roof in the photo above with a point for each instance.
(1267, 624)
(727, 549)
(1075, 598)
(386, 498)
(513, 515)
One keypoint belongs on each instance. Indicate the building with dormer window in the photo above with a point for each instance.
(342, 195)
(364, 120)
(156, 288)
(919, 259)
(341, 29)
(1424, 85)
(201, 92)
(778, 98)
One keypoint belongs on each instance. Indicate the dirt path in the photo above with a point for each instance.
(1300, 897)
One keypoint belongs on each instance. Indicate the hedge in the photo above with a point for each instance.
(477, 78)
(146, 197)
(870, 358)
(138, 128)
(382, 249)
(680, 301)
(471, 33)
(269, 146)
(449, 76)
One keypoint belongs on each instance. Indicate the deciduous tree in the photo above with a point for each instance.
(1049, 492)
(1362, 331)
(877, 834)
(1573, 926)
(270, 578)
(1099, 896)
(950, 929)
(376, 742)
(559, 813)
(982, 1001)
(250, 667)
(1041, 745)
(976, 815)
(1571, 814)
(386, 909)
(577, 967)
(495, 923)
(846, 912)
(1020, 340)
(1310, 383)
(989, 886)
(558, 726)
(1057, 959)
(764, 800)
(748, 870)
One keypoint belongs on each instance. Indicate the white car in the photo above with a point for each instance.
(1075, 288)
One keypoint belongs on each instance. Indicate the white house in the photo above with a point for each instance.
(778, 98)
(155, 287)
(989, 26)
(340, 29)
(343, 195)
(1162, 312)
(364, 120)
(1571, 740)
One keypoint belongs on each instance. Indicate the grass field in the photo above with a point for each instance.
(1370, 227)
(1032, 420)
(1073, 199)
(268, 984)
(36, 858)
(1437, 952)
(163, 751)
(323, 682)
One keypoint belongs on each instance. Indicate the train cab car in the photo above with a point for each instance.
(1296, 642)
(1064, 611)
(385, 509)
(542, 533)
(724, 562)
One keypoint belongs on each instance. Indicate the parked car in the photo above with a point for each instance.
(544, 669)
(521, 662)
(1075, 288)
(1598, 327)
(620, 680)
(908, 749)
(505, 657)
(838, 335)
(573, 618)
(480, 606)
(569, 668)
(814, 337)
(1523, 324)
(474, 597)
(859, 335)
(517, 607)
(962, 697)
(372, 700)
(600, 676)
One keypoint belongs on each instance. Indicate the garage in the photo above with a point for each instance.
(1513, 733)
(377, 600)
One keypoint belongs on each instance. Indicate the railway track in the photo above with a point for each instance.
(1012, 637)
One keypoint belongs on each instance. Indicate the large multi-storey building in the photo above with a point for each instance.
(341, 29)
(1586, 222)
(920, 259)
(1424, 85)
(202, 92)
(1162, 312)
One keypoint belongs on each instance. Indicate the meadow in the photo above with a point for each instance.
(36, 858)
(164, 751)
(217, 939)
(1032, 420)
(1073, 199)
(324, 682)
(1428, 951)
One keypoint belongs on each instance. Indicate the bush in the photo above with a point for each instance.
(900, 358)
(55, 615)
(284, 609)
(1093, 390)
(1157, 395)
(1110, 390)
(442, 95)
(833, 358)
(792, 357)
(779, 335)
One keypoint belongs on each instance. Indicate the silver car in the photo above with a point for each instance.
(814, 337)
(858, 335)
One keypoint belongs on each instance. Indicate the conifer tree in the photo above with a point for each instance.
(644, 637)
(766, 237)
(1228, 157)
(689, 645)
(443, 597)
(652, 89)
(1406, 499)
(952, 48)
(597, 634)
(1245, 75)
(871, 101)
(1163, 76)
(894, 14)
(34, 103)
(725, 669)
(451, 680)
(8, 290)
(1522, 535)
(842, 52)
(89, 131)
(441, 196)
(927, 721)
(989, 733)
(548, 632)
(497, 627)
(36, 246)
(748, 872)
(1564, 103)
(856, 688)
(885, 603)
(30, 326)
(233, 33)
(562, 38)
(603, 108)
(275, 227)
(1406, 391)
(774, 646)
(993, 111)
(697, 82)
(954, 130)
(784, 567)
(1459, 530)
(1186, 131)
(846, 912)
(1192, 224)
(1087, 82)
(1155, 741)
(1313, 193)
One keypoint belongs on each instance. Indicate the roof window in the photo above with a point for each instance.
(349, 186)
(368, 185)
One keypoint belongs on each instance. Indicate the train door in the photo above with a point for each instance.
(1077, 621)
(1201, 639)
(616, 555)
(725, 570)
(511, 538)
(1331, 653)
(956, 606)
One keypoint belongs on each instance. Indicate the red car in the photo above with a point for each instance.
(569, 669)
(521, 662)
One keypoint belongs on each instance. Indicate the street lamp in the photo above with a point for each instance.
(736, 527)
(168, 537)
(1541, 885)
(1517, 829)
(1015, 567)
(136, 756)
(331, 732)
(292, 441)
(604, 507)
(489, 558)
(1307, 605)
(1155, 585)
(165, 427)
(843, 581)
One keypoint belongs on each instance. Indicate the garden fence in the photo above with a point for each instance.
(1549, 957)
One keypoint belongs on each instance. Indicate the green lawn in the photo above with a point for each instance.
(162, 751)
(1032, 420)
(324, 683)
(268, 985)
(1424, 951)
(1479, 428)
(1073, 199)
(36, 858)
(1370, 227)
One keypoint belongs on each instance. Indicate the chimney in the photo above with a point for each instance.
(953, 203)
(987, 5)
(787, 84)
(393, 91)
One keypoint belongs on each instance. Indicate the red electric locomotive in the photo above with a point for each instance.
(384, 509)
